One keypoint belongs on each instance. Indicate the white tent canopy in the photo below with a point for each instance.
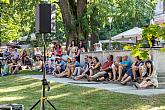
(33, 36)
(24, 38)
(134, 33)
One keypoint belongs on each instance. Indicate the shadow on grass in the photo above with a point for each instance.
(68, 97)
(29, 72)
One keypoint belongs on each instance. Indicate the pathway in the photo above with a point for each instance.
(109, 86)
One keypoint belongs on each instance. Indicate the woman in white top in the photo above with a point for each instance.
(151, 80)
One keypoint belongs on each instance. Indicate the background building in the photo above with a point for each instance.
(159, 16)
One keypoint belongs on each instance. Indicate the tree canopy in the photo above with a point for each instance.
(77, 19)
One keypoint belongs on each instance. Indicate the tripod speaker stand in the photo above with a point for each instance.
(43, 26)
(45, 83)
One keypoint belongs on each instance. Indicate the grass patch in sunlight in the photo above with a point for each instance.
(27, 91)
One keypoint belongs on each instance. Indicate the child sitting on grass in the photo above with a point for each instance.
(5, 69)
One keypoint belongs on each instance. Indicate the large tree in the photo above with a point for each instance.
(72, 11)
(17, 19)
(93, 17)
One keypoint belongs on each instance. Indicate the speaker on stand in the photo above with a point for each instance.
(43, 26)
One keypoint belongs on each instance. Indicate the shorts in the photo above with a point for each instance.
(130, 73)
(109, 70)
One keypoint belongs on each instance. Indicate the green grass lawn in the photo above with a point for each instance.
(26, 91)
(29, 72)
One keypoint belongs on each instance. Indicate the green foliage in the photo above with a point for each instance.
(102, 18)
(156, 31)
(17, 19)
(4, 1)
(131, 13)
(137, 51)
(162, 49)
(112, 17)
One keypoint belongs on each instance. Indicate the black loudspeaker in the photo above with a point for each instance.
(43, 18)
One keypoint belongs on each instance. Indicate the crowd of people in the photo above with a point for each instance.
(66, 63)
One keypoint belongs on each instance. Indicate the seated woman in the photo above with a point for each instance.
(95, 67)
(133, 72)
(105, 68)
(15, 66)
(71, 65)
(37, 65)
(151, 80)
(28, 62)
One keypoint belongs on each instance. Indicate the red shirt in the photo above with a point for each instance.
(59, 51)
(107, 64)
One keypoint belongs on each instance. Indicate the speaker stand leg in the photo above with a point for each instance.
(35, 104)
(51, 104)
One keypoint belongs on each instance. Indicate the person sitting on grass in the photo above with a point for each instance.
(72, 66)
(95, 67)
(133, 72)
(59, 66)
(50, 66)
(64, 56)
(106, 67)
(37, 64)
(151, 80)
(28, 63)
(79, 70)
(64, 73)
(5, 68)
(86, 73)
(16, 66)
(23, 55)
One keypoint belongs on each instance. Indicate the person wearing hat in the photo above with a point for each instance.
(72, 66)
(65, 73)
(59, 66)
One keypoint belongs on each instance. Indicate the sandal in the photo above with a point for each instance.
(122, 83)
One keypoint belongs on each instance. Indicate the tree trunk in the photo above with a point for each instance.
(71, 12)
(81, 8)
(68, 20)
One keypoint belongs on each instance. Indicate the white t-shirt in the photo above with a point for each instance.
(38, 52)
(15, 55)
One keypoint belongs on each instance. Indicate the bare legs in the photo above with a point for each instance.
(134, 72)
(120, 72)
(114, 70)
(125, 79)
(144, 84)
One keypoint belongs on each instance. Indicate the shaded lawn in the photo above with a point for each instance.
(29, 72)
(27, 91)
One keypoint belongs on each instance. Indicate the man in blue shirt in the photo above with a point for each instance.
(72, 66)
(59, 65)
(64, 56)
(124, 66)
